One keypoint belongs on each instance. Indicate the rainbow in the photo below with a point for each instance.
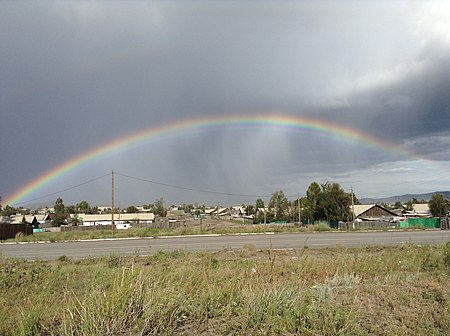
(281, 121)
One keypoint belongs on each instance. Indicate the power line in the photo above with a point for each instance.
(147, 181)
(187, 188)
(64, 190)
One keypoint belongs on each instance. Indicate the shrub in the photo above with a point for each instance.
(323, 227)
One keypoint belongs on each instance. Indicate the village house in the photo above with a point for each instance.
(419, 210)
(119, 219)
(35, 220)
(374, 212)
(217, 212)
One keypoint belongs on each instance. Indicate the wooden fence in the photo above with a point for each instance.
(445, 223)
(368, 225)
(8, 231)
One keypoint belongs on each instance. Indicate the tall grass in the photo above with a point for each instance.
(401, 290)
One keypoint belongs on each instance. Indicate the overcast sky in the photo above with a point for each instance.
(75, 75)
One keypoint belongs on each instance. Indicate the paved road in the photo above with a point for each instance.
(147, 246)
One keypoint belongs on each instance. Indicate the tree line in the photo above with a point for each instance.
(327, 202)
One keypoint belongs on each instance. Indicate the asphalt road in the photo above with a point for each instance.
(147, 246)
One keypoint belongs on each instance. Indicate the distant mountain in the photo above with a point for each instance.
(404, 198)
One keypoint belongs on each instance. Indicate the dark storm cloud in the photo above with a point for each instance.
(75, 75)
(407, 106)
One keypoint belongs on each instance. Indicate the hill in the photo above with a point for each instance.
(404, 198)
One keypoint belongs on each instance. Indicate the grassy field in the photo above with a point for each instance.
(401, 290)
(155, 232)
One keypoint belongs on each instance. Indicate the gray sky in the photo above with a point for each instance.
(75, 75)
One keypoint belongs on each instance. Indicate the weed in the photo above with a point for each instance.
(248, 250)
(63, 258)
(114, 261)
(19, 237)
(447, 256)
(308, 292)
(430, 261)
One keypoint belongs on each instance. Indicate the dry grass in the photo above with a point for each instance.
(381, 291)
(214, 227)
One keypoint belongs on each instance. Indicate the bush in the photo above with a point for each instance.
(322, 227)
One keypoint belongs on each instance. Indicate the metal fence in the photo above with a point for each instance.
(430, 223)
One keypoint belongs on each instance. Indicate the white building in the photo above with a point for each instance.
(120, 219)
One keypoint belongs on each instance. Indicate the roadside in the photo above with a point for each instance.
(210, 227)
(399, 290)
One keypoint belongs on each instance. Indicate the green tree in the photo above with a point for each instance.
(438, 205)
(187, 208)
(131, 209)
(59, 206)
(249, 209)
(8, 211)
(398, 205)
(313, 195)
(260, 216)
(334, 203)
(259, 203)
(24, 211)
(71, 209)
(409, 206)
(327, 202)
(279, 205)
(76, 220)
(84, 207)
(60, 213)
(158, 208)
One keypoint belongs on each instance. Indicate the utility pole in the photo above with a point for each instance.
(353, 209)
(298, 204)
(112, 202)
